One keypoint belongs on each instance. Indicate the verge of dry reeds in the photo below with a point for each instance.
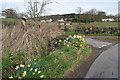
(35, 41)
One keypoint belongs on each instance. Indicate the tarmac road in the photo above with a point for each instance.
(97, 43)
(106, 65)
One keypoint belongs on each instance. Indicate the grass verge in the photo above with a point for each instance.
(56, 63)
(104, 34)
(12, 60)
(110, 39)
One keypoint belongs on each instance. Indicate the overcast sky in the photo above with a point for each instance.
(66, 6)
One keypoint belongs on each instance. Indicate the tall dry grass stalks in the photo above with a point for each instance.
(35, 41)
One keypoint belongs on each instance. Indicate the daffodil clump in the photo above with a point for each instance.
(29, 70)
(75, 40)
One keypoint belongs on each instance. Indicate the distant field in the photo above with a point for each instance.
(97, 24)
(106, 24)
(30, 22)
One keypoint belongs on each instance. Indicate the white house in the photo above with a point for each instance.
(50, 20)
(61, 20)
(42, 21)
(108, 20)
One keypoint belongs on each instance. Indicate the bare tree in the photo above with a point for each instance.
(9, 13)
(92, 12)
(36, 8)
(79, 10)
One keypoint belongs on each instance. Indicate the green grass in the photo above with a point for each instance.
(60, 61)
(106, 24)
(104, 34)
(110, 39)
(11, 59)
(70, 33)
(98, 24)
(56, 63)
(53, 65)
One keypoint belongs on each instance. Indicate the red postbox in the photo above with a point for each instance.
(90, 27)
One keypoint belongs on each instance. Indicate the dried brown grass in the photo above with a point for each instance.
(34, 41)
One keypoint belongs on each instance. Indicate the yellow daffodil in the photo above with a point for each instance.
(31, 69)
(84, 36)
(79, 39)
(55, 42)
(35, 70)
(39, 72)
(22, 65)
(41, 76)
(60, 41)
(24, 71)
(11, 77)
(24, 74)
(83, 39)
(17, 67)
(34, 63)
(80, 45)
(19, 77)
(77, 36)
(70, 36)
(28, 65)
(76, 42)
(34, 59)
(74, 36)
(73, 44)
(67, 45)
(33, 73)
